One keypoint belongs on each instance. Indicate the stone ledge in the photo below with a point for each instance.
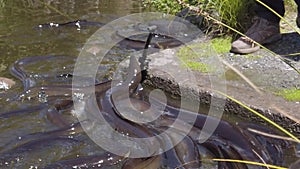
(166, 73)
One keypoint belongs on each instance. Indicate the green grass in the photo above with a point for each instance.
(235, 13)
(290, 94)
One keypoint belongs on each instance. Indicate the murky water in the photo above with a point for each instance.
(20, 39)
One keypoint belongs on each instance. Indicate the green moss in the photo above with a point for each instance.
(216, 45)
(192, 54)
(198, 66)
(290, 94)
(189, 59)
(194, 51)
(221, 45)
(249, 56)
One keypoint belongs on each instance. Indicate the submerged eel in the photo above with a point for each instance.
(184, 154)
(224, 130)
(50, 90)
(15, 156)
(93, 161)
(227, 141)
(62, 90)
(76, 23)
(184, 151)
(21, 74)
(143, 163)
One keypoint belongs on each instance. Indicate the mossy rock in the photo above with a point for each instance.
(194, 55)
(249, 56)
(198, 66)
(290, 94)
(221, 45)
(191, 56)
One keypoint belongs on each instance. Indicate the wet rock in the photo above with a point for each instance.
(267, 71)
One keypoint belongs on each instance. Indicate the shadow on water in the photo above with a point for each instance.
(38, 128)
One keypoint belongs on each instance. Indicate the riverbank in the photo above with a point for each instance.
(272, 77)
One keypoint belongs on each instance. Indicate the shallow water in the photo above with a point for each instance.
(19, 39)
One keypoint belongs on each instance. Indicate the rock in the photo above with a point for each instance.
(267, 71)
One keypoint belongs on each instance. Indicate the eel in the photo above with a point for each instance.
(22, 155)
(227, 141)
(76, 23)
(143, 163)
(93, 161)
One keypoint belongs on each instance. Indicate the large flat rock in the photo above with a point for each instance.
(266, 71)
